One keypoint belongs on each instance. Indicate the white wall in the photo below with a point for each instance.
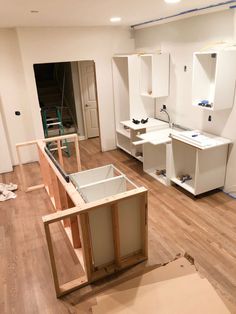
(42, 45)
(181, 39)
(13, 92)
(23, 47)
(5, 158)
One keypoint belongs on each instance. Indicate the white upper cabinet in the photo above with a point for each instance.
(154, 74)
(214, 79)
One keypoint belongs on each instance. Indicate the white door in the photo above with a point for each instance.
(89, 98)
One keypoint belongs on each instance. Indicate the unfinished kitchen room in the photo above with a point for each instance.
(118, 157)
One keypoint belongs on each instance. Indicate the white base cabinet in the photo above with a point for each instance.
(206, 167)
(156, 159)
(177, 158)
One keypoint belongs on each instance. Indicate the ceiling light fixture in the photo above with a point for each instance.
(172, 1)
(115, 19)
(34, 11)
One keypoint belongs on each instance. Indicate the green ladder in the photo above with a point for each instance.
(51, 122)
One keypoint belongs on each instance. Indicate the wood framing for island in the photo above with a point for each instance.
(103, 213)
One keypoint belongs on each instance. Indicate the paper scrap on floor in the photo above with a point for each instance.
(174, 288)
(6, 191)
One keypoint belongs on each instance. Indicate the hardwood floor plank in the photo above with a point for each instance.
(205, 227)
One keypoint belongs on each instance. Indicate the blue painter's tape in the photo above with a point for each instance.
(187, 12)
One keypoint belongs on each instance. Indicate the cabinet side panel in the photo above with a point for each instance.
(211, 167)
(225, 80)
(161, 73)
(100, 221)
(121, 89)
(130, 225)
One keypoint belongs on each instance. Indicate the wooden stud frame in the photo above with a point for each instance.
(56, 139)
(72, 211)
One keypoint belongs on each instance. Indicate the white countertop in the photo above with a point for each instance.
(201, 139)
(159, 136)
(152, 123)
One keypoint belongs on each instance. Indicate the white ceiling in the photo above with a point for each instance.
(88, 12)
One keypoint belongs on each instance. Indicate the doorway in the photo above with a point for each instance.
(67, 94)
(89, 98)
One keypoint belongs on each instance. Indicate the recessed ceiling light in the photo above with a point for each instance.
(172, 1)
(34, 11)
(115, 19)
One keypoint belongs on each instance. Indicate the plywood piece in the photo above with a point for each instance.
(130, 225)
(186, 294)
(174, 269)
(100, 221)
(103, 189)
(92, 175)
(116, 233)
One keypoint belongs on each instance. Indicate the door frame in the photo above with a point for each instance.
(82, 98)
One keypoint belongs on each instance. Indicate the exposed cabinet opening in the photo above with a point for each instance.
(204, 81)
(214, 79)
(146, 75)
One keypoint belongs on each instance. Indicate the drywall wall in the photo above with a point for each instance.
(23, 47)
(5, 158)
(13, 94)
(42, 45)
(182, 38)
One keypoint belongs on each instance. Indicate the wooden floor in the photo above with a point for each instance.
(204, 227)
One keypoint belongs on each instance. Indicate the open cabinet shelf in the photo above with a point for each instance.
(155, 160)
(214, 79)
(154, 71)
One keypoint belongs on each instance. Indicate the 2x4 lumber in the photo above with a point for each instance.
(69, 187)
(52, 259)
(74, 226)
(144, 223)
(43, 167)
(86, 207)
(64, 202)
(72, 285)
(116, 233)
(77, 153)
(86, 244)
(35, 187)
(26, 143)
(55, 190)
(125, 263)
(22, 173)
(61, 137)
(61, 161)
(75, 232)
(25, 188)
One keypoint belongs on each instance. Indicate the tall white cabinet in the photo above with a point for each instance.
(132, 76)
(128, 101)
(214, 79)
